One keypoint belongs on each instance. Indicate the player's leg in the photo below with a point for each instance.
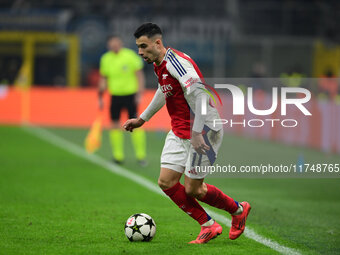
(116, 133)
(138, 135)
(210, 194)
(195, 174)
(169, 182)
(173, 161)
(196, 188)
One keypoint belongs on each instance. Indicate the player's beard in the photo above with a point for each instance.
(148, 60)
(151, 57)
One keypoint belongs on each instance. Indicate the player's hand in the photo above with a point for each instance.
(131, 124)
(198, 143)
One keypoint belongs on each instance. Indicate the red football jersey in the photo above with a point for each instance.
(173, 70)
(181, 83)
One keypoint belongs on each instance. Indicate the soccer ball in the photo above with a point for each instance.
(140, 227)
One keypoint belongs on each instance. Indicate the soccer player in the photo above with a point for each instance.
(179, 87)
(121, 71)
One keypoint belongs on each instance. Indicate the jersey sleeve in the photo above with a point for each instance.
(193, 88)
(184, 71)
(156, 104)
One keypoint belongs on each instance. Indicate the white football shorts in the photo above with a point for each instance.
(179, 155)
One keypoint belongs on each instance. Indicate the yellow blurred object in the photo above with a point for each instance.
(23, 78)
(31, 42)
(93, 139)
(23, 83)
(326, 58)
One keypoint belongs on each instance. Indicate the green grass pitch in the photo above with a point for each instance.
(54, 202)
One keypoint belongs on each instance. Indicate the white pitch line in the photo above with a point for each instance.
(116, 169)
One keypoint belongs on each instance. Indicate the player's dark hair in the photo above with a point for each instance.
(148, 29)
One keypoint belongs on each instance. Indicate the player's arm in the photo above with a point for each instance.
(101, 89)
(197, 139)
(141, 85)
(156, 104)
(191, 84)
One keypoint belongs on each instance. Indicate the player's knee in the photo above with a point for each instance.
(192, 191)
(165, 184)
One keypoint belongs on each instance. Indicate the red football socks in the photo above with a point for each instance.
(218, 199)
(187, 204)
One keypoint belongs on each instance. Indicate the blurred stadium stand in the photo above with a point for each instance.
(227, 38)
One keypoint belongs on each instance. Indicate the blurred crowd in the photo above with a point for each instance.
(245, 38)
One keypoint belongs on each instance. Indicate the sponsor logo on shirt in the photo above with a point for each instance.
(166, 89)
(191, 81)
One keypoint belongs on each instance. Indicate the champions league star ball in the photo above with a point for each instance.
(140, 227)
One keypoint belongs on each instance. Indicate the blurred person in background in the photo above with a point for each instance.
(121, 71)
